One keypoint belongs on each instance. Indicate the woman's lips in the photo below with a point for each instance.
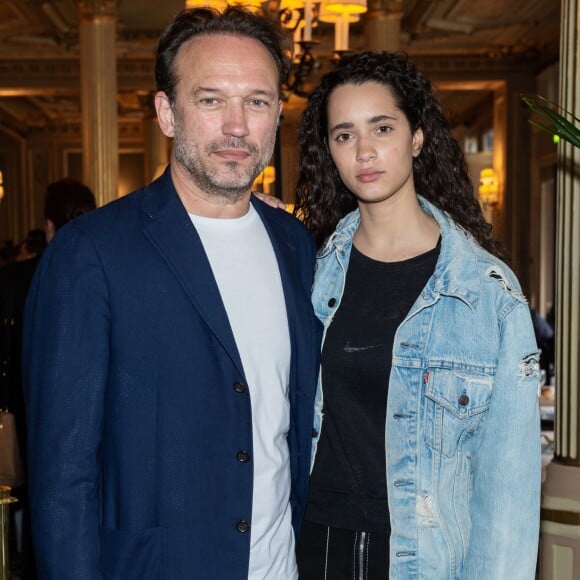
(368, 176)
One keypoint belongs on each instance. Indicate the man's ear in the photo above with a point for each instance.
(165, 114)
(417, 144)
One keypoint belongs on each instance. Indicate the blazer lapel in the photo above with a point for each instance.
(169, 228)
(285, 255)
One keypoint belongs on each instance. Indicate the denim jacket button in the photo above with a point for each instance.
(463, 400)
(332, 302)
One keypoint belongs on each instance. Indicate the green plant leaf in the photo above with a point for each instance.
(552, 121)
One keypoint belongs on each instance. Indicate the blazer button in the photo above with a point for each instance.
(463, 400)
(242, 526)
(332, 302)
(243, 456)
(239, 388)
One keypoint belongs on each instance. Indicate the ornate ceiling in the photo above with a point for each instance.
(39, 49)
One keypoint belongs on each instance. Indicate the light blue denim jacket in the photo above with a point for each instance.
(463, 429)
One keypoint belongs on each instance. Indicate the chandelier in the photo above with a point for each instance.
(300, 18)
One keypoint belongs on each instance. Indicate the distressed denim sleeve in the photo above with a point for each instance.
(505, 509)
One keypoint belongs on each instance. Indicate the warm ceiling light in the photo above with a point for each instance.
(216, 4)
(488, 187)
(346, 6)
(325, 16)
(251, 5)
(341, 25)
(291, 4)
(308, 6)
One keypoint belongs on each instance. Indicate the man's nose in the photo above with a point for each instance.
(235, 120)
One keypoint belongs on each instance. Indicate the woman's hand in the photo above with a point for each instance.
(271, 200)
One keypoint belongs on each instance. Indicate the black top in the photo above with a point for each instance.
(348, 485)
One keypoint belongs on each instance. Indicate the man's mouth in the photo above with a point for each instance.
(232, 154)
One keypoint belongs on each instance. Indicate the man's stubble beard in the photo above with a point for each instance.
(224, 182)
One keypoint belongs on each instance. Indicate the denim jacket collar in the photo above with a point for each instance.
(456, 273)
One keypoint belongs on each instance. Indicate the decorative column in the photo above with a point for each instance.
(156, 144)
(560, 536)
(511, 160)
(382, 25)
(99, 97)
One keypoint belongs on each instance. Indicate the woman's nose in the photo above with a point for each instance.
(365, 154)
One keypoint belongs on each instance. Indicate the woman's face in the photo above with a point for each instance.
(371, 142)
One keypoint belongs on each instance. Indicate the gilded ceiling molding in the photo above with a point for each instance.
(475, 66)
(90, 9)
(385, 5)
(28, 76)
(384, 9)
(51, 76)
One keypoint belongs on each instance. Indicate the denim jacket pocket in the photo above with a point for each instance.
(455, 405)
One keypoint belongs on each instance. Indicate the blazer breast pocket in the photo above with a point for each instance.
(456, 403)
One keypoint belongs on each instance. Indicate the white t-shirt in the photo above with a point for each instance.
(246, 270)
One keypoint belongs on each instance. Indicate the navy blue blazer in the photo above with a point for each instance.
(137, 400)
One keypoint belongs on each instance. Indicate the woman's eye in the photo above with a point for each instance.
(342, 137)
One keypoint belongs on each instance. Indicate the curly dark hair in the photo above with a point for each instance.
(439, 171)
(233, 21)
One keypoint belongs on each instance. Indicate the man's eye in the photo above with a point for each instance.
(259, 103)
(208, 101)
(384, 129)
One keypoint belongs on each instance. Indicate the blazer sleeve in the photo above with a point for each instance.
(505, 511)
(66, 357)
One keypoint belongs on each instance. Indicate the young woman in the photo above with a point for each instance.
(426, 459)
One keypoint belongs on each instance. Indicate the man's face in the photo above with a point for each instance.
(226, 110)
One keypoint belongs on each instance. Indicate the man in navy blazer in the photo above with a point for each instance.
(171, 350)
